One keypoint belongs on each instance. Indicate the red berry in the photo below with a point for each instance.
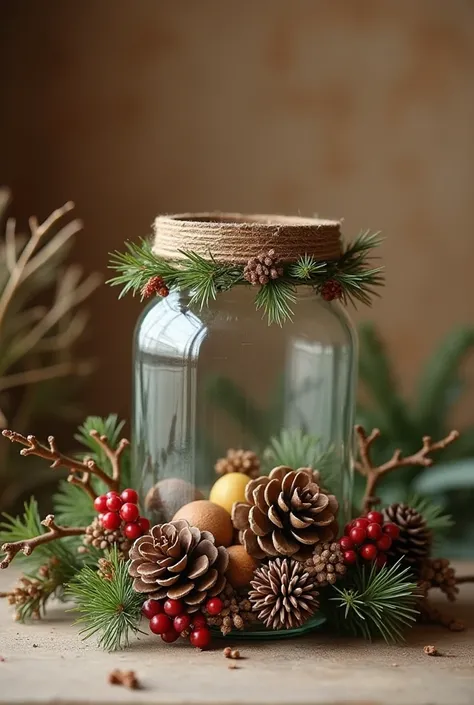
(182, 622)
(111, 521)
(384, 543)
(100, 504)
(114, 503)
(375, 517)
(392, 530)
(173, 607)
(160, 623)
(346, 543)
(215, 606)
(380, 560)
(200, 638)
(368, 551)
(151, 607)
(130, 496)
(129, 512)
(170, 636)
(374, 531)
(132, 531)
(348, 528)
(358, 535)
(361, 523)
(199, 620)
(350, 557)
(112, 493)
(144, 524)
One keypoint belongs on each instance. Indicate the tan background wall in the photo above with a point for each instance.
(362, 109)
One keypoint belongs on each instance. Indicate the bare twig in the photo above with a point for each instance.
(84, 483)
(464, 579)
(42, 374)
(113, 455)
(373, 474)
(27, 546)
(57, 459)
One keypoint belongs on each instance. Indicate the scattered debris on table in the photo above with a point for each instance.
(229, 652)
(126, 678)
(431, 650)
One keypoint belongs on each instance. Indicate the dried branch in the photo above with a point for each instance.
(113, 455)
(57, 459)
(373, 474)
(464, 579)
(84, 483)
(27, 546)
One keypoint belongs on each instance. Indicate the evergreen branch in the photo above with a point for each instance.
(107, 602)
(375, 603)
(436, 519)
(276, 299)
(296, 449)
(306, 267)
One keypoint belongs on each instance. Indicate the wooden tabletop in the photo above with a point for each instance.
(46, 662)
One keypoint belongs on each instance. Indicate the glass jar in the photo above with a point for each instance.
(206, 381)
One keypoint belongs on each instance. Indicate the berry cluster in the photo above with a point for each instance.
(121, 511)
(368, 537)
(169, 619)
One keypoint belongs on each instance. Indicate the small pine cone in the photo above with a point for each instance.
(283, 594)
(326, 564)
(331, 290)
(259, 270)
(414, 541)
(101, 538)
(244, 461)
(155, 285)
(236, 613)
(438, 573)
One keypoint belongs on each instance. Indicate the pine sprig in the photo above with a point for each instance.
(375, 603)
(436, 519)
(296, 449)
(109, 606)
(306, 267)
(276, 299)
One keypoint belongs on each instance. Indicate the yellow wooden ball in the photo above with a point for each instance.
(228, 489)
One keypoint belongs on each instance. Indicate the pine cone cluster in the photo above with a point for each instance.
(101, 538)
(326, 564)
(414, 541)
(260, 269)
(244, 461)
(285, 514)
(155, 285)
(237, 612)
(438, 573)
(283, 593)
(34, 591)
(331, 290)
(178, 561)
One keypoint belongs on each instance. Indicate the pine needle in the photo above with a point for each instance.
(110, 609)
(296, 449)
(276, 299)
(376, 603)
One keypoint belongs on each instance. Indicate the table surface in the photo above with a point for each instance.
(46, 662)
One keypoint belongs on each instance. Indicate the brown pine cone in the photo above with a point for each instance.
(259, 270)
(178, 561)
(101, 538)
(237, 612)
(244, 461)
(286, 514)
(414, 541)
(283, 594)
(438, 573)
(326, 564)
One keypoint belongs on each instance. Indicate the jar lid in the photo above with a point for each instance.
(235, 238)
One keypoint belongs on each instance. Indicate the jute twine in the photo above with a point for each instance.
(235, 238)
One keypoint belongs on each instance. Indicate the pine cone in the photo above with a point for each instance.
(284, 594)
(414, 541)
(236, 613)
(259, 270)
(101, 538)
(331, 290)
(285, 514)
(178, 561)
(155, 285)
(326, 564)
(244, 461)
(438, 573)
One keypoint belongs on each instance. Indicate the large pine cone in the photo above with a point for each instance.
(283, 594)
(414, 541)
(286, 514)
(178, 561)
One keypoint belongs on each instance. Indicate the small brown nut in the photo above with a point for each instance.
(227, 652)
(431, 650)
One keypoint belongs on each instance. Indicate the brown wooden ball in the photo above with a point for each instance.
(241, 567)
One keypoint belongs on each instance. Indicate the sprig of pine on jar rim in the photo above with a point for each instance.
(276, 264)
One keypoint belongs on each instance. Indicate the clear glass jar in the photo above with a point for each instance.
(209, 380)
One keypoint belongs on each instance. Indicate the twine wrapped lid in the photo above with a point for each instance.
(235, 238)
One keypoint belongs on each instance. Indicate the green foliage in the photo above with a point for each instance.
(72, 505)
(375, 603)
(109, 608)
(296, 449)
(205, 277)
(436, 519)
